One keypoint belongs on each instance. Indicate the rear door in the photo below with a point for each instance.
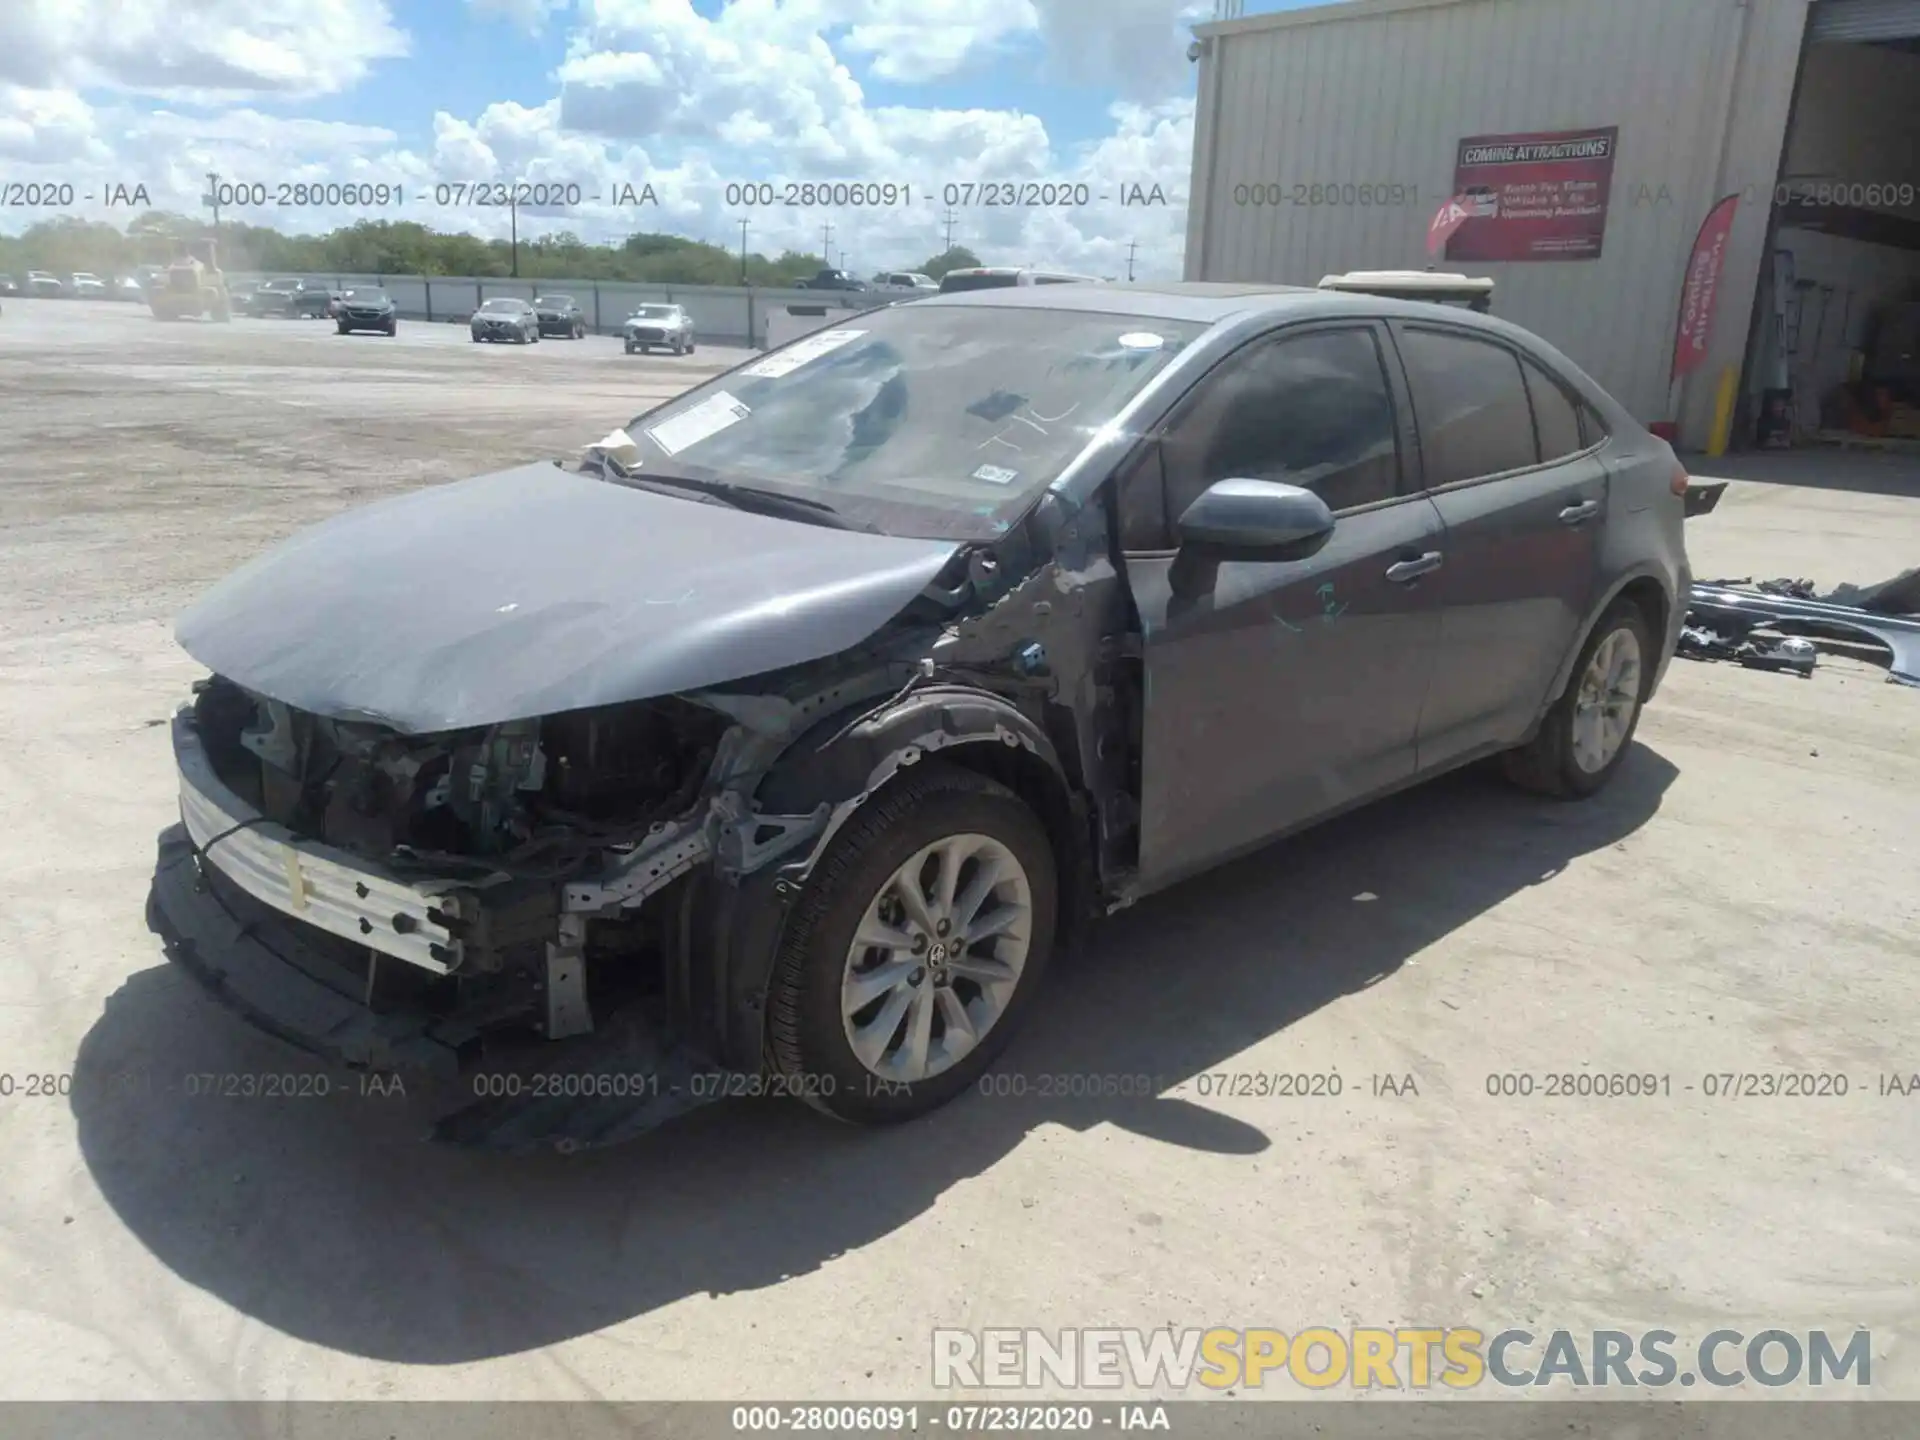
(1284, 690)
(1523, 496)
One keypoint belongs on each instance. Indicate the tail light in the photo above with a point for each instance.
(1680, 481)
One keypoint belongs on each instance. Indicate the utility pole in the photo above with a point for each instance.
(826, 244)
(213, 199)
(1132, 246)
(743, 250)
(513, 232)
(949, 224)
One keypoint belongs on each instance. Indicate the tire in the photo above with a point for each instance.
(344, 329)
(689, 347)
(629, 347)
(393, 327)
(1554, 763)
(808, 1042)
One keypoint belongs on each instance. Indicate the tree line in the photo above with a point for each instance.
(404, 247)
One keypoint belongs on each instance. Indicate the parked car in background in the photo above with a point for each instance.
(240, 294)
(506, 319)
(1006, 277)
(8, 285)
(276, 298)
(127, 287)
(560, 315)
(84, 285)
(832, 280)
(662, 327)
(367, 309)
(315, 301)
(45, 285)
(824, 735)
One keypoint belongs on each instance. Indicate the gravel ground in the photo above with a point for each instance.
(1742, 901)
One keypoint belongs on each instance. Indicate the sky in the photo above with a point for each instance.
(647, 111)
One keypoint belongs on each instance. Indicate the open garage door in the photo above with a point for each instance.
(1835, 349)
(1864, 20)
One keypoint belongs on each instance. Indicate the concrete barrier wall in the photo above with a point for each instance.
(722, 314)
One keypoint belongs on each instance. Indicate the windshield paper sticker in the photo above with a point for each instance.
(800, 352)
(690, 427)
(994, 475)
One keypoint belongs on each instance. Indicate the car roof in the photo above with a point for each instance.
(1210, 302)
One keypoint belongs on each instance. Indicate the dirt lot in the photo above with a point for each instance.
(1743, 901)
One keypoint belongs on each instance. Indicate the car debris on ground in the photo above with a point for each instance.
(1773, 624)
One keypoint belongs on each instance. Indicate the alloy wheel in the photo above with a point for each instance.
(1609, 693)
(936, 958)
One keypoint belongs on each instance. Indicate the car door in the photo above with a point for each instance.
(1523, 498)
(1281, 690)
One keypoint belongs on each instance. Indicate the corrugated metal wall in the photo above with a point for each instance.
(1381, 94)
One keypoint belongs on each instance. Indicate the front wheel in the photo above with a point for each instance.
(921, 940)
(629, 347)
(1590, 728)
(342, 329)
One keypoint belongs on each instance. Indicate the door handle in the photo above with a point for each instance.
(1581, 513)
(1410, 570)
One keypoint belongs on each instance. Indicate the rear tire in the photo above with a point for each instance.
(932, 813)
(1590, 728)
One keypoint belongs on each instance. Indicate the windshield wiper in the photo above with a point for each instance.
(760, 502)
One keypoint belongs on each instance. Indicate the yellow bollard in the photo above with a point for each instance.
(1723, 412)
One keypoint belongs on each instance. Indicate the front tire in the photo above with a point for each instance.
(629, 347)
(1590, 728)
(344, 329)
(922, 937)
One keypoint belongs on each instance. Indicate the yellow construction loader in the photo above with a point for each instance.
(191, 286)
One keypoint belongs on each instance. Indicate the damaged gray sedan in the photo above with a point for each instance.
(788, 736)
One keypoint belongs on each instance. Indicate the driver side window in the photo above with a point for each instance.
(1311, 410)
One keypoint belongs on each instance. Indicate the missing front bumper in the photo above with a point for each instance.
(498, 1092)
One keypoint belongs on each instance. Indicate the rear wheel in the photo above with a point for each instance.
(920, 942)
(1590, 728)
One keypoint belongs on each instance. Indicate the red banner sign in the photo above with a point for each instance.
(1534, 197)
(1452, 215)
(1702, 288)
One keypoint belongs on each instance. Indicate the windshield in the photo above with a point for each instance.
(503, 307)
(936, 421)
(655, 312)
(554, 302)
(368, 297)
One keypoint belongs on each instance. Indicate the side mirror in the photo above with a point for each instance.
(1256, 520)
(1252, 520)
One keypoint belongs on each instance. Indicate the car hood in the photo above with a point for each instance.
(539, 590)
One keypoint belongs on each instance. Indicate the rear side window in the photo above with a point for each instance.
(1554, 415)
(1470, 401)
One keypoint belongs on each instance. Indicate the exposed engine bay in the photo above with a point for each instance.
(532, 799)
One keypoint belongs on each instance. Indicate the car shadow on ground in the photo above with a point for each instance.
(330, 1220)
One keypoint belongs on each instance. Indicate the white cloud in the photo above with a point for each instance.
(916, 40)
(201, 50)
(1139, 47)
(48, 127)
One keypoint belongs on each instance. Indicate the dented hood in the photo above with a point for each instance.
(539, 590)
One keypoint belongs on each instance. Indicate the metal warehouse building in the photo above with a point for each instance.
(1593, 138)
